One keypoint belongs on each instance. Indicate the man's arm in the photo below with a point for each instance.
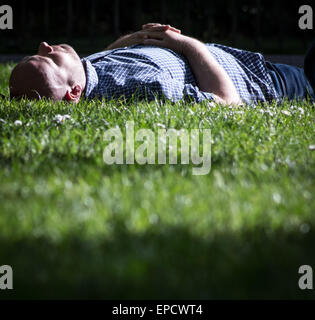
(127, 40)
(210, 75)
(139, 36)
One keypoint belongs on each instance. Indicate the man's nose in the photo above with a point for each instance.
(44, 48)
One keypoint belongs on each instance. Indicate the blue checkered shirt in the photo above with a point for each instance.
(152, 72)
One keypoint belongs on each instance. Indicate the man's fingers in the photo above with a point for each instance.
(150, 25)
(174, 29)
(159, 26)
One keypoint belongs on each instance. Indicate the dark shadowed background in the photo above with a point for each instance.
(268, 26)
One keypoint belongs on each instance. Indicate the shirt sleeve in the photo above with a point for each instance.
(193, 92)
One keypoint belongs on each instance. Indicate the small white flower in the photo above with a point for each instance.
(18, 123)
(2, 121)
(58, 118)
(276, 197)
(286, 112)
(311, 147)
(62, 118)
(301, 110)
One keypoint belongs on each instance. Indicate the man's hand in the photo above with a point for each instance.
(166, 39)
(152, 26)
(139, 36)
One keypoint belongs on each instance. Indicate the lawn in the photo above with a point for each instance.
(72, 226)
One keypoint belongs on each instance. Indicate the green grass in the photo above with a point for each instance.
(73, 227)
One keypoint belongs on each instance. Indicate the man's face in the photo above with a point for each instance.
(44, 74)
(55, 56)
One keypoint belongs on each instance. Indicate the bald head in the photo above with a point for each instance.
(33, 81)
(56, 72)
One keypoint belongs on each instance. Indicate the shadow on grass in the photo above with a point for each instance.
(162, 263)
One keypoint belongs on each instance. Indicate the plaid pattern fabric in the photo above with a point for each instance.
(150, 72)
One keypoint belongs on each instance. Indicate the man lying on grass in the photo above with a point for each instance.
(157, 61)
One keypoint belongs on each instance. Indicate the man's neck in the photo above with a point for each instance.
(84, 78)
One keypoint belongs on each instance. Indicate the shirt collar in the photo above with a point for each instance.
(91, 77)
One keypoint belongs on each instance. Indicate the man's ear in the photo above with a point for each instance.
(75, 94)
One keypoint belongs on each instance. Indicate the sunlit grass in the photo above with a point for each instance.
(80, 228)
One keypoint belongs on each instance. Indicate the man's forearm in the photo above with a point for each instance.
(123, 41)
(210, 75)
